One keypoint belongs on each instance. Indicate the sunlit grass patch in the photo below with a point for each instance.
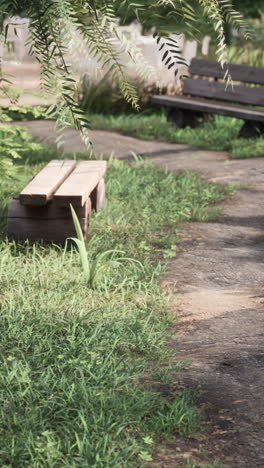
(216, 133)
(74, 354)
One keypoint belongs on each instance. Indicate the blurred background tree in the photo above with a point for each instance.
(250, 8)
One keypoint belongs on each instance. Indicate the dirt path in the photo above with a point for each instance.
(218, 276)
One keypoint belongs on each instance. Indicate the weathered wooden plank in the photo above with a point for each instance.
(57, 230)
(78, 186)
(98, 196)
(23, 228)
(244, 73)
(202, 105)
(41, 189)
(215, 90)
(96, 164)
(47, 212)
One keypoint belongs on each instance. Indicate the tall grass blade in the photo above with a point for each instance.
(79, 241)
(77, 225)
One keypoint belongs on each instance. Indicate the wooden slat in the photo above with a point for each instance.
(47, 212)
(221, 108)
(57, 231)
(22, 228)
(41, 189)
(214, 90)
(78, 186)
(244, 73)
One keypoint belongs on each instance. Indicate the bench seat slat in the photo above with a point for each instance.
(243, 73)
(41, 189)
(82, 181)
(203, 105)
(214, 90)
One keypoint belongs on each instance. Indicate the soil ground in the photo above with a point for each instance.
(218, 278)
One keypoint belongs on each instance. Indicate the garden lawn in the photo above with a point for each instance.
(216, 133)
(81, 367)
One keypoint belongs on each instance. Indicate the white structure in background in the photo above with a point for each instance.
(149, 48)
(205, 45)
(78, 55)
(17, 35)
(133, 31)
(190, 50)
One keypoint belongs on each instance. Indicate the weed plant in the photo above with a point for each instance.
(16, 143)
(248, 52)
(103, 96)
(16, 112)
(73, 358)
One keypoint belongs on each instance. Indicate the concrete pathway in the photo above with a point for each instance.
(218, 276)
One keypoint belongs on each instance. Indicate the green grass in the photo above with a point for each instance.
(74, 359)
(19, 113)
(217, 133)
(71, 359)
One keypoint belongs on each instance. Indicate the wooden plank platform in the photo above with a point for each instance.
(81, 182)
(42, 211)
(200, 105)
(42, 188)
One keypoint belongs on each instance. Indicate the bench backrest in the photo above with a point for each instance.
(219, 91)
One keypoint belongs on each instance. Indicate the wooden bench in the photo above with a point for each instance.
(209, 96)
(42, 209)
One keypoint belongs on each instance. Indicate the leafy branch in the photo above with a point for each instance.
(54, 24)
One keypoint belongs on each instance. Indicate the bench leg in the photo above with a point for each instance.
(98, 196)
(184, 118)
(251, 129)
